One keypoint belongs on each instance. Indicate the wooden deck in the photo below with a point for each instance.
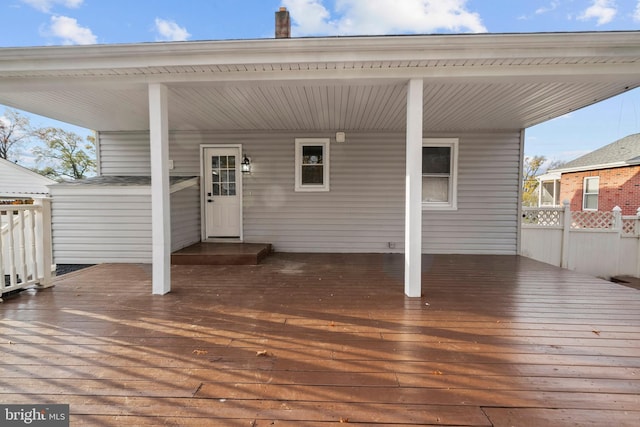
(316, 340)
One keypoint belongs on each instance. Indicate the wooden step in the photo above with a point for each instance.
(221, 254)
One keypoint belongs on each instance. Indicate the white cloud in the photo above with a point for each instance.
(170, 31)
(636, 14)
(46, 5)
(373, 17)
(550, 8)
(70, 31)
(602, 10)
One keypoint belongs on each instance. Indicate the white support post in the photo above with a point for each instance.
(22, 248)
(617, 219)
(13, 281)
(44, 218)
(617, 226)
(637, 232)
(566, 229)
(2, 213)
(160, 208)
(413, 202)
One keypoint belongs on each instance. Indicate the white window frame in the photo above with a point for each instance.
(303, 142)
(452, 204)
(585, 194)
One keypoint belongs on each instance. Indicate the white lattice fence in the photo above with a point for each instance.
(629, 225)
(551, 217)
(597, 220)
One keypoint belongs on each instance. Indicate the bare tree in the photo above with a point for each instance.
(555, 164)
(15, 130)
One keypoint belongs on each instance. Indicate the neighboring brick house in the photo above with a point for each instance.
(604, 178)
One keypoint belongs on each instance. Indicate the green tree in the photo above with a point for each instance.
(530, 170)
(15, 131)
(65, 154)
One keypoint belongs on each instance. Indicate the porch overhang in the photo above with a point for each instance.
(471, 82)
(464, 83)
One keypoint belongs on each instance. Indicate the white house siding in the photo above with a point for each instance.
(93, 224)
(185, 217)
(486, 221)
(364, 211)
(19, 182)
(125, 154)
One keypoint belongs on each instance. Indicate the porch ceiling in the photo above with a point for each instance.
(481, 82)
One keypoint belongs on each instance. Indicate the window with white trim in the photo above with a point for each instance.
(439, 173)
(312, 164)
(590, 193)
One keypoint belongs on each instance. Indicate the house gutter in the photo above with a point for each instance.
(520, 192)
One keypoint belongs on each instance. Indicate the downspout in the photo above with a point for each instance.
(96, 136)
(520, 192)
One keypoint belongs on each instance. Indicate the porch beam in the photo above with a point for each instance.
(413, 202)
(160, 208)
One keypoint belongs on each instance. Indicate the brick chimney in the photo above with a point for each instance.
(283, 24)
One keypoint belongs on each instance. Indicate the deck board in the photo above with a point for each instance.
(312, 339)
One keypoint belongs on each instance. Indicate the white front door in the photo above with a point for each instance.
(222, 192)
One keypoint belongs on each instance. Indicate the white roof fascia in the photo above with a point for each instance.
(324, 50)
(593, 167)
(72, 188)
(103, 190)
(551, 176)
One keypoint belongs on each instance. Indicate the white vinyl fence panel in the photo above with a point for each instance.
(603, 244)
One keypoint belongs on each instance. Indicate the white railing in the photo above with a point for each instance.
(604, 244)
(25, 246)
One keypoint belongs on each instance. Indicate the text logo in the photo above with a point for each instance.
(34, 415)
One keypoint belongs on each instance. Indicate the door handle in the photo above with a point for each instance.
(210, 201)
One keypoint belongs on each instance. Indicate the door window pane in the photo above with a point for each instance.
(223, 175)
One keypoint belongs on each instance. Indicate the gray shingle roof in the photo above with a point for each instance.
(619, 153)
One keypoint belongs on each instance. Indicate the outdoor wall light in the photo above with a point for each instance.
(246, 164)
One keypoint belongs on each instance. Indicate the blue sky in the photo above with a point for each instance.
(59, 22)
